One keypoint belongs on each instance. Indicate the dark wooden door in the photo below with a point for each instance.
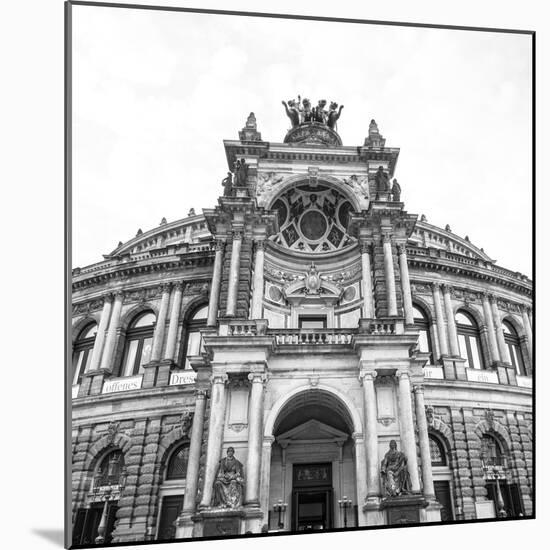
(443, 496)
(171, 509)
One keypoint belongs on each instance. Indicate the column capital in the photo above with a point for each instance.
(220, 245)
(165, 288)
(256, 377)
(436, 285)
(366, 247)
(268, 440)
(418, 388)
(178, 286)
(358, 437)
(446, 287)
(367, 376)
(260, 244)
(237, 234)
(486, 296)
(524, 308)
(108, 298)
(219, 378)
(402, 248)
(118, 294)
(403, 375)
(386, 237)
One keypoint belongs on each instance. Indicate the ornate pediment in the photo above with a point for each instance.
(313, 288)
(311, 431)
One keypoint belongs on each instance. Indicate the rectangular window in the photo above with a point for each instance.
(130, 360)
(311, 322)
(145, 353)
(476, 355)
(194, 346)
(463, 349)
(77, 365)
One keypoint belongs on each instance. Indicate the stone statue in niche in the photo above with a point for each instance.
(228, 486)
(395, 474)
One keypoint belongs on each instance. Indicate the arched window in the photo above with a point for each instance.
(437, 452)
(139, 341)
(82, 353)
(491, 451)
(193, 343)
(424, 339)
(177, 465)
(468, 340)
(111, 469)
(514, 347)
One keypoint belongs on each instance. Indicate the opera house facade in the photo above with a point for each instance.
(304, 355)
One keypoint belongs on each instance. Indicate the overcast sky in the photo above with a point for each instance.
(155, 93)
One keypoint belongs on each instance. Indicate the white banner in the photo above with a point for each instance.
(127, 383)
(434, 372)
(75, 391)
(525, 381)
(180, 377)
(487, 376)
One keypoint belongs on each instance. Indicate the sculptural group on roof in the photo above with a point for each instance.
(300, 112)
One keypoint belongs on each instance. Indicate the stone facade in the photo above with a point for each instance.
(305, 321)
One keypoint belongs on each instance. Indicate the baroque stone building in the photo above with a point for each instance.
(305, 321)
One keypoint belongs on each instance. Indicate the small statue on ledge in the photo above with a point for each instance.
(228, 487)
(396, 191)
(241, 173)
(333, 115)
(382, 182)
(292, 112)
(395, 475)
(227, 184)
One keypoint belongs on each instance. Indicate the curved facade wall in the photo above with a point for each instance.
(306, 321)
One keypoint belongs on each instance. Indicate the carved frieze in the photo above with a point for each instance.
(421, 288)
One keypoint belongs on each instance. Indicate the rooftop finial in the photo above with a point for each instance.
(375, 138)
(250, 130)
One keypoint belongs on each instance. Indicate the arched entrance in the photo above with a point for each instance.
(313, 463)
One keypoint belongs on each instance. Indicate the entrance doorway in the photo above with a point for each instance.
(312, 497)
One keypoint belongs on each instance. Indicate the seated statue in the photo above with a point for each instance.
(228, 486)
(395, 475)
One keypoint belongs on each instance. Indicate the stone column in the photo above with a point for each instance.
(423, 440)
(255, 424)
(160, 327)
(100, 336)
(390, 275)
(258, 293)
(368, 297)
(528, 331)
(360, 474)
(371, 433)
(215, 286)
(491, 338)
(234, 274)
(266, 475)
(451, 325)
(502, 347)
(193, 464)
(441, 333)
(407, 428)
(114, 324)
(405, 284)
(218, 404)
(170, 351)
